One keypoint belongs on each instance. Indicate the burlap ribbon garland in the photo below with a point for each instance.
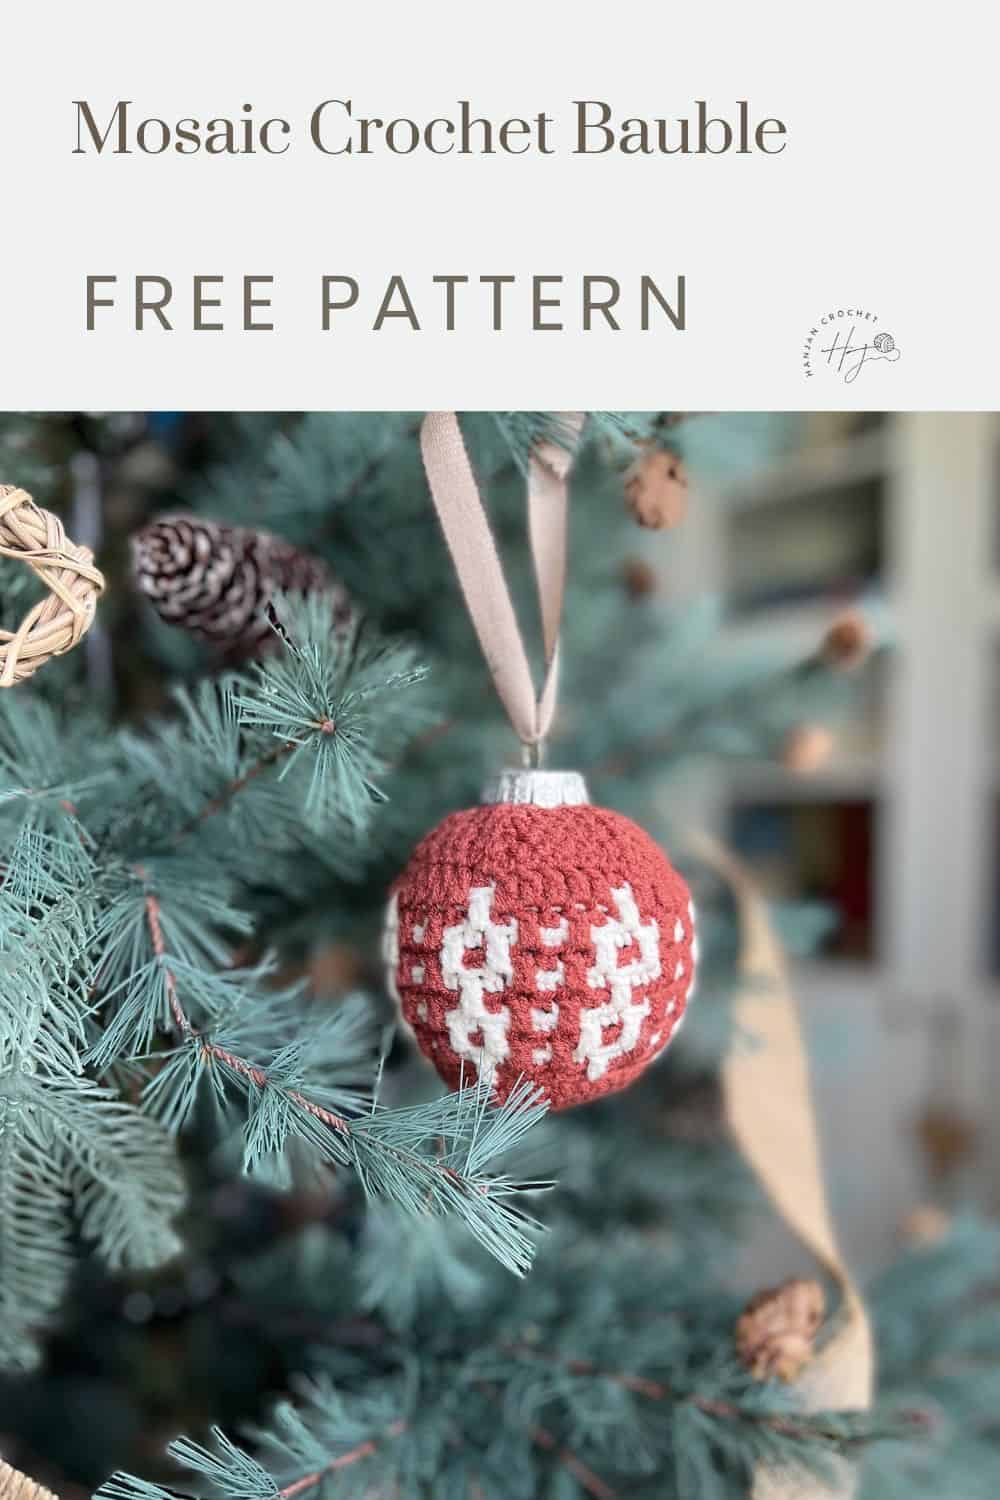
(769, 1108)
(56, 623)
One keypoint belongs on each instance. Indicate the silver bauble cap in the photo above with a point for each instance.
(534, 788)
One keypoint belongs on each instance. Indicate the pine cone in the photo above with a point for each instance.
(656, 488)
(640, 578)
(847, 643)
(216, 581)
(775, 1332)
(948, 1140)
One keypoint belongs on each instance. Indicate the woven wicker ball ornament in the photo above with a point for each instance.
(17, 1486)
(56, 623)
(539, 937)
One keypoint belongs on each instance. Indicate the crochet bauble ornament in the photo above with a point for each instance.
(540, 937)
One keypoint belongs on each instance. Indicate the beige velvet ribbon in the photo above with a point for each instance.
(769, 1107)
(456, 497)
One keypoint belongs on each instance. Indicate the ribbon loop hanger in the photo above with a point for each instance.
(480, 572)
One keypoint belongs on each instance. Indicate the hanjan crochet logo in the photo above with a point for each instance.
(843, 341)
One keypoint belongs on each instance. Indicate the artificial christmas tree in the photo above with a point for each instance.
(182, 843)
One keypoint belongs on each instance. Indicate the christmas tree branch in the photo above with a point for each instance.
(802, 1429)
(590, 1482)
(152, 905)
(208, 1048)
(221, 800)
(385, 1148)
(367, 1449)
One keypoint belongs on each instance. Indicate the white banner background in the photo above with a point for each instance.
(884, 199)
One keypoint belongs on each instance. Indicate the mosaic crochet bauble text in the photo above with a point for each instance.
(554, 943)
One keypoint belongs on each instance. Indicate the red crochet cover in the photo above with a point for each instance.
(552, 943)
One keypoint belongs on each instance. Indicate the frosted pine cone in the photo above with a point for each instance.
(848, 643)
(775, 1332)
(216, 581)
(656, 487)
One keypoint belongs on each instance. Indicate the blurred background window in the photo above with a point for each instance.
(897, 833)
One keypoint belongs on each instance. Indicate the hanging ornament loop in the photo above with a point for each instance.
(477, 562)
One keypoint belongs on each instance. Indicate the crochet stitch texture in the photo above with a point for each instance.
(556, 944)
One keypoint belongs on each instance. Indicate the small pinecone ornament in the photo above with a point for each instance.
(216, 581)
(539, 937)
(848, 643)
(656, 488)
(640, 579)
(775, 1332)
